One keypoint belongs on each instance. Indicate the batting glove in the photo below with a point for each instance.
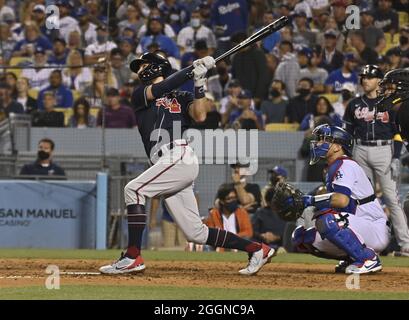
(207, 61)
(395, 168)
(199, 75)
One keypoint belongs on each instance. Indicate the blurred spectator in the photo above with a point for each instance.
(332, 59)
(213, 118)
(133, 19)
(374, 37)
(94, 11)
(174, 63)
(4, 10)
(275, 175)
(288, 70)
(88, 29)
(76, 77)
(32, 40)
(8, 42)
(95, 91)
(127, 48)
(302, 35)
(75, 42)
(332, 27)
(167, 29)
(29, 103)
(249, 194)
(272, 64)
(44, 165)
(99, 49)
(245, 117)
(218, 84)
(268, 227)
(48, 117)
(126, 92)
(347, 93)
(66, 22)
(394, 58)
(155, 34)
(81, 117)
(346, 74)
(7, 103)
(274, 109)
(172, 235)
(404, 45)
(383, 64)
(339, 13)
(59, 55)
(120, 70)
(39, 16)
(62, 94)
(175, 13)
(229, 215)
(201, 51)
(304, 54)
(269, 42)
(228, 17)
(230, 103)
(365, 53)
(249, 66)
(38, 76)
(300, 6)
(302, 104)
(11, 80)
(257, 8)
(385, 17)
(312, 71)
(188, 35)
(116, 115)
(323, 109)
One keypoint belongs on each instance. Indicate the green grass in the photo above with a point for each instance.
(176, 256)
(192, 293)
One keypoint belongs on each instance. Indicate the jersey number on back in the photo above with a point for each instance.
(171, 104)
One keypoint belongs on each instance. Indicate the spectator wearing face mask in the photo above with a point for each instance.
(43, 166)
(98, 50)
(404, 45)
(302, 104)
(274, 108)
(312, 71)
(229, 215)
(175, 13)
(246, 117)
(347, 93)
(195, 31)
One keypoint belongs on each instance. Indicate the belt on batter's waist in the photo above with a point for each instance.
(170, 146)
(373, 143)
(360, 202)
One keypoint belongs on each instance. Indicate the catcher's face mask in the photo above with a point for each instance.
(320, 144)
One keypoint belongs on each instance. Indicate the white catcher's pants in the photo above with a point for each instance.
(172, 177)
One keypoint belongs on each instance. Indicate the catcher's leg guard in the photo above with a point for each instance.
(330, 227)
(303, 240)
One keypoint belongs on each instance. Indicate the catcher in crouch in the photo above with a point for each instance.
(350, 224)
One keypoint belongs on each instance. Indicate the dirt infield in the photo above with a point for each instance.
(29, 272)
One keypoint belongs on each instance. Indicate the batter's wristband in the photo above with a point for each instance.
(199, 92)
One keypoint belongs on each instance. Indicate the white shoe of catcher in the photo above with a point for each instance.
(124, 265)
(369, 266)
(257, 260)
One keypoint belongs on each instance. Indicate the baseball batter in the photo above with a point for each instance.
(378, 148)
(160, 108)
(350, 224)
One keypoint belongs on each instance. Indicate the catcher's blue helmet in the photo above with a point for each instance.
(323, 136)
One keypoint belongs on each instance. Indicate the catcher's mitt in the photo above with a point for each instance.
(287, 201)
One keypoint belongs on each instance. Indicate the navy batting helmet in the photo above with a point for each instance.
(371, 71)
(323, 136)
(158, 66)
